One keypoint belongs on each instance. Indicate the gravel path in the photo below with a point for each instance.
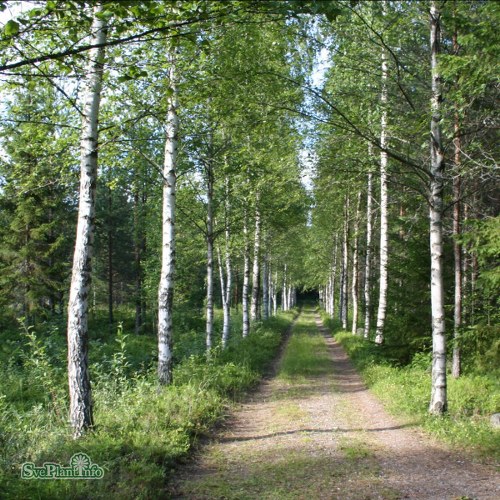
(327, 437)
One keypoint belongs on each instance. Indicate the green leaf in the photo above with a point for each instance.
(125, 78)
(11, 28)
(105, 15)
(35, 13)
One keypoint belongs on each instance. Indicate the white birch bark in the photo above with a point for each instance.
(438, 403)
(369, 228)
(384, 205)
(246, 278)
(265, 287)
(226, 329)
(166, 286)
(270, 286)
(275, 294)
(341, 290)
(334, 274)
(254, 310)
(355, 270)
(210, 257)
(457, 247)
(327, 293)
(345, 263)
(224, 297)
(284, 295)
(81, 414)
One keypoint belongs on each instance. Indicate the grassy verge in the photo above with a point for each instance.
(405, 391)
(141, 432)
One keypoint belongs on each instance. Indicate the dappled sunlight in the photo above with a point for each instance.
(324, 436)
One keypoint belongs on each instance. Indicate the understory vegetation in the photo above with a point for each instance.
(404, 388)
(142, 431)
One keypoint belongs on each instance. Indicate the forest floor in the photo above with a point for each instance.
(321, 434)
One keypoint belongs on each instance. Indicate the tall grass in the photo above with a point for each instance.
(142, 430)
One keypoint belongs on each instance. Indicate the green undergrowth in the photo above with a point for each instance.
(141, 431)
(405, 390)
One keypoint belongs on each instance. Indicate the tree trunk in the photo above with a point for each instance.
(110, 257)
(284, 295)
(334, 275)
(275, 294)
(465, 268)
(166, 287)
(265, 287)
(367, 284)
(138, 238)
(226, 296)
(81, 415)
(457, 247)
(270, 287)
(236, 283)
(384, 205)
(210, 256)
(345, 264)
(438, 403)
(255, 312)
(329, 294)
(355, 270)
(246, 278)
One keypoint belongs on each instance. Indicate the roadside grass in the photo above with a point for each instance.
(405, 391)
(141, 431)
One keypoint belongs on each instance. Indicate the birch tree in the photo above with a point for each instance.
(344, 287)
(210, 254)
(457, 247)
(227, 289)
(265, 287)
(255, 305)
(81, 414)
(166, 286)
(368, 262)
(355, 270)
(438, 403)
(384, 205)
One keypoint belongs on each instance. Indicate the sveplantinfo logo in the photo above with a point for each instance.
(80, 467)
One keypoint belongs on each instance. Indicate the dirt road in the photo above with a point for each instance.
(325, 436)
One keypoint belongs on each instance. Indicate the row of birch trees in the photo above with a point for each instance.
(172, 132)
(188, 166)
(406, 175)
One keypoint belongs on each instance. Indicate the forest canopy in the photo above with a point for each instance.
(180, 172)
